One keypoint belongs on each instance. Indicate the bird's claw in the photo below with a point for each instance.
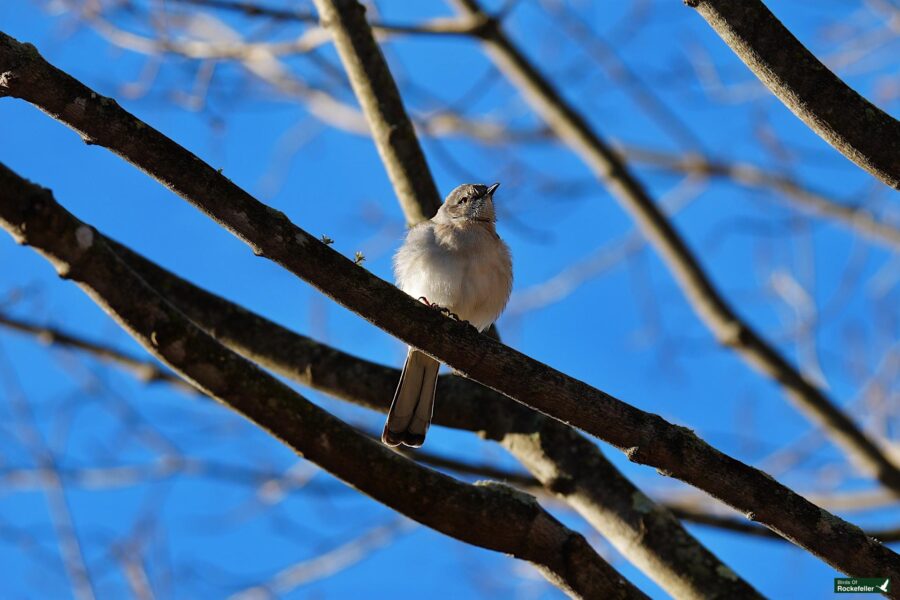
(443, 310)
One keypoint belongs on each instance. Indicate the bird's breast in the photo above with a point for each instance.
(466, 271)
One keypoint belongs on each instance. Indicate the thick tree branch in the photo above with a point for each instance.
(648, 439)
(564, 461)
(709, 304)
(492, 516)
(854, 126)
(644, 532)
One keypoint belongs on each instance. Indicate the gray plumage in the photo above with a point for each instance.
(458, 262)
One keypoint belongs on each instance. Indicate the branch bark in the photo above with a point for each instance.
(709, 304)
(490, 515)
(851, 124)
(566, 463)
(648, 439)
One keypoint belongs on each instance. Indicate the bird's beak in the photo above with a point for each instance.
(490, 191)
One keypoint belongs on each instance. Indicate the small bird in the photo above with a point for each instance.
(457, 263)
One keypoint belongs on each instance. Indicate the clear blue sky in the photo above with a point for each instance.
(628, 332)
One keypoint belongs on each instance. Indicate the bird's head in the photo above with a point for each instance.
(469, 202)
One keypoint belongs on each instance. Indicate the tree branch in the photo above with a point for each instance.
(490, 515)
(63, 339)
(334, 112)
(569, 465)
(709, 304)
(851, 124)
(304, 369)
(380, 100)
(647, 438)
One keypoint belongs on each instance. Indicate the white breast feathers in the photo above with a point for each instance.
(465, 269)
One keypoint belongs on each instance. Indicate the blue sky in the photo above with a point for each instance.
(628, 332)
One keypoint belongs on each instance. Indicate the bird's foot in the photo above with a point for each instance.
(443, 310)
(436, 307)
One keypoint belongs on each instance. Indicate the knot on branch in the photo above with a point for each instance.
(7, 79)
(14, 56)
(634, 455)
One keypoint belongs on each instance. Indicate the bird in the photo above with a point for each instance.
(457, 263)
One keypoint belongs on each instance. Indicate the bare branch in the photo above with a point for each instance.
(250, 9)
(322, 566)
(593, 486)
(70, 546)
(262, 60)
(116, 477)
(380, 100)
(854, 126)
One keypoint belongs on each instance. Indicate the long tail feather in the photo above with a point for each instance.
(410, 414)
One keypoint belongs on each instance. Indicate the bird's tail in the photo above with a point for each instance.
(410, 413)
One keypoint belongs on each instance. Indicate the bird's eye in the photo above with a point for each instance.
(464, 199)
